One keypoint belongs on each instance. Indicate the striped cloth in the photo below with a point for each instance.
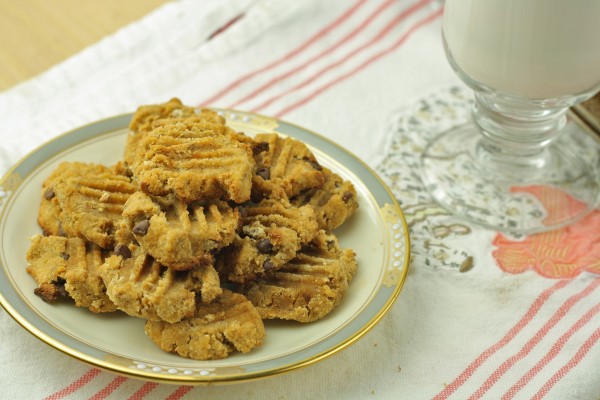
(361, 73)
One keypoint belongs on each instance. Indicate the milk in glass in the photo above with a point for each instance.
(537, 49)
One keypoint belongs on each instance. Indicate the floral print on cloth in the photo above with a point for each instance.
(562, 253)
(442, 241)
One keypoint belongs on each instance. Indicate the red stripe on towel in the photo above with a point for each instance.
(556, 348)
(525, 319)
(143, 391)
(539, 335)
(179, 393)
(382, 33)
(323, 32)
(108, 389)
(432, 17)
(322, 54)
(75, 386)
(583, 350)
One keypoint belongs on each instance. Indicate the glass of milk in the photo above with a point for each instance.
(527, 62)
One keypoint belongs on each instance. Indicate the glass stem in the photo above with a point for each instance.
(515, 134)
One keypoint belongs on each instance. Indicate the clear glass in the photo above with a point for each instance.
(527, 61)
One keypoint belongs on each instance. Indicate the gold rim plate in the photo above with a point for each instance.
(116, 342)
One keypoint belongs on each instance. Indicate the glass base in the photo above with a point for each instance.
(518, 195)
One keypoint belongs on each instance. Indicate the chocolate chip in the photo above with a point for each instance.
(260, 147)
(62, 292)
(141, 228)
(347, 196)
(264, 246)
(264, 173)
(122, 250)
(50, 292)
(49, 193)
(314, 164)
(60, 287)
(268, 265)
(65, 256)
(61, 231)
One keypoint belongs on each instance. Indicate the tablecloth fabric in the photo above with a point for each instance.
(473, 320)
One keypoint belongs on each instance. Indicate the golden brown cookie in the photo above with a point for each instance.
(180, 235)
(333, 202)
(50, 216)
(141, 287)
(60, 265)
(92, 205)
(272, 233)
(230, 323)
(210, 121)
(194, 164)
(285, 168)
(307, 288)
(144, 117)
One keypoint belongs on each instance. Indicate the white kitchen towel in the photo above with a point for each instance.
(481, 315)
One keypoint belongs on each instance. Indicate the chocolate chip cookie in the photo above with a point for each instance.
(229, 323)
(180, 235)
(145, 116)
(68, 267)
(308, 287)
(50, 214)
(285, 168)
(141, 287)
(271, 234)
(334, 202)
(91, 202)
(194, 163)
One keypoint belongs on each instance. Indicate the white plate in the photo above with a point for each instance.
(116, 342)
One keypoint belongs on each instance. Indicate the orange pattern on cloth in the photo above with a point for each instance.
(562, 253)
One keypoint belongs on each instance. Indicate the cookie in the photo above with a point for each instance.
(210, 121)
(307, 288)
(271, 234)
(180, 235)
(141, 287)
(91, 204)
(334, 202)
(144, 117)
(285, 168)
(194, 164)
(68, 266)
(50, 216)
(230, 323)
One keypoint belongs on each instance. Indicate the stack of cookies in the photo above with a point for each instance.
(202, 231)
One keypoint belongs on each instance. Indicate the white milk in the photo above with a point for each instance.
(533, 48)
